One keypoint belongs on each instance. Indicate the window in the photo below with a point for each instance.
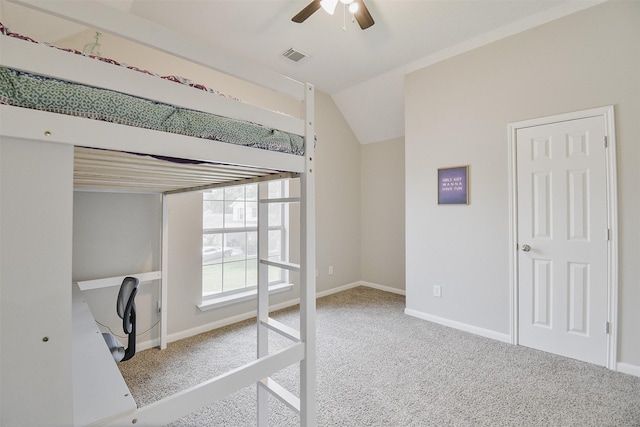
(230, 238)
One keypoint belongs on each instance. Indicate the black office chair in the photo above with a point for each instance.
(126, 309)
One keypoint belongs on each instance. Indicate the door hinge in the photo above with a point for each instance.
(606, 142)
(608, 234)
(607, 328)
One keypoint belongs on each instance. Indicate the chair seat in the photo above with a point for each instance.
(116, 348)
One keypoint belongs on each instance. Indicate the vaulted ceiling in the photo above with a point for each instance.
(363, 70)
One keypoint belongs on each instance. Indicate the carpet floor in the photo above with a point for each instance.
(380, 367)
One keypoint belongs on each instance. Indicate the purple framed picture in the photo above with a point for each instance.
(453, 186)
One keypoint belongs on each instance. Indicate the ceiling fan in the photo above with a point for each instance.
(357, 7)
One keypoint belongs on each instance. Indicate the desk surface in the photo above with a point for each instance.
(99, 391)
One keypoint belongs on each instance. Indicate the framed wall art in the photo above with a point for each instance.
(453, 186)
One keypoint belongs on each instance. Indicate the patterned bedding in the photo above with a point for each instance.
(31, 91)
(42, 93)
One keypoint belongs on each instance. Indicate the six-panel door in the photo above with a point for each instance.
(562, 238)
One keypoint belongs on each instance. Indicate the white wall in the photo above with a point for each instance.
(337, 197)
(114, 235)
(382, 214)
(457, 113)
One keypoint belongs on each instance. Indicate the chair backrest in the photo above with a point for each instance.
(126, 309)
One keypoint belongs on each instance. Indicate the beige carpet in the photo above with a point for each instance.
(380, 367)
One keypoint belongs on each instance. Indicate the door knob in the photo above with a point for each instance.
(526, 248)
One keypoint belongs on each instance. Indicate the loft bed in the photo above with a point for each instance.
(122, 154)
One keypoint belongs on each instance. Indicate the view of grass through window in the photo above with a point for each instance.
(230, 237)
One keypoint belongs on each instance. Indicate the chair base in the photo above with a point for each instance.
(117, 349)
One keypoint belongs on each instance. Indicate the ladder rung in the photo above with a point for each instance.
(281, 264)
(281, 328)
(282, 200)
(281, 393)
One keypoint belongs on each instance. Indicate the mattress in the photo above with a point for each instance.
(21, 89)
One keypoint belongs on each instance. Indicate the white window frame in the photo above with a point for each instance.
(218, 299)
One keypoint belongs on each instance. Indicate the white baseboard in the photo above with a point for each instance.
(210, 326)
(384, 288)
(360, 283)
(235, 319)
(338, 289)
(227, 321)
(144, 345)
(487, 333)
(624, 368)
(627, 368)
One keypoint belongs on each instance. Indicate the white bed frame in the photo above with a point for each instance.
(37, 375)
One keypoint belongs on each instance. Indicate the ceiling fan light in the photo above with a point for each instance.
(353, 7)
(329, 6)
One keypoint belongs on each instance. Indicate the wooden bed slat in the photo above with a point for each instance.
(104, 169)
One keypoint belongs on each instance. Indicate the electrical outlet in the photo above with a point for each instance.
(437, 291)
(330, 270)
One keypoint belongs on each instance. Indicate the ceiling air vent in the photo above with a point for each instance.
(294, 55)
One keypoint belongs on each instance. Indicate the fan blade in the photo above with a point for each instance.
(362, 15)
(306, 12)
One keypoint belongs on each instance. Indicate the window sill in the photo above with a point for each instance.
(223, 300)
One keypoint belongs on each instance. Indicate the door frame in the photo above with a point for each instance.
(607, 115)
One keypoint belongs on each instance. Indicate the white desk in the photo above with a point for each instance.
(99, 391)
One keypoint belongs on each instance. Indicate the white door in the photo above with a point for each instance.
(562, 238)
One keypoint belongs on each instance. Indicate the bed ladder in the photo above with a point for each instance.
(265, 323)
(305, 404)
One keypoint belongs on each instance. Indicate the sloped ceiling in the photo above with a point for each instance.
(363, 71)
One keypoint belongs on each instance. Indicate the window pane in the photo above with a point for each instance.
(234, 193)
(214, 194)
(275, 274)
(252, 244)
(212, 249)
(252, 192)
(234, 275)
(211, 279)
(233, 214)
(275, 243)
(275, 214)
(252, 272)
(251, 217)
(235, 246)
(212, 214)
(275, 254)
